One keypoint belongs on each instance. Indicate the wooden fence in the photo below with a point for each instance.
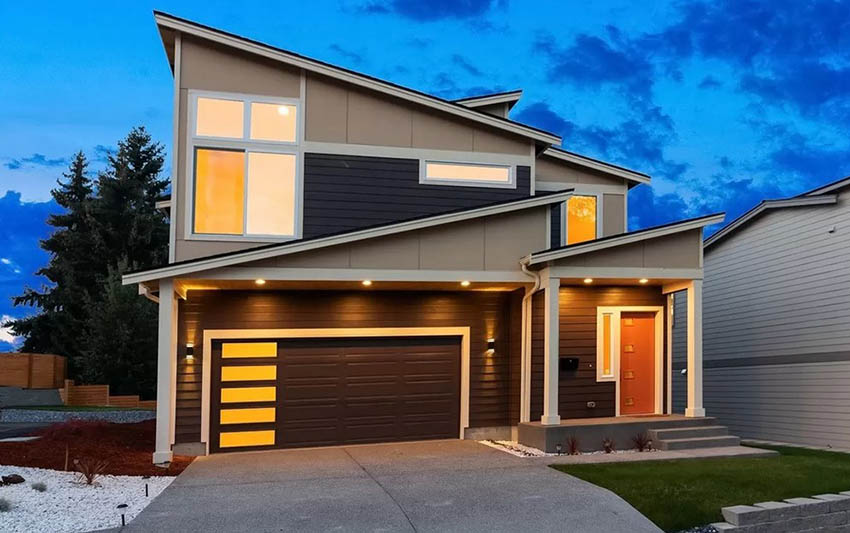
(98, 395)
(32, 370)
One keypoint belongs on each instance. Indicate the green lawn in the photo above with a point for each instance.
(74, 408)
(685, 493)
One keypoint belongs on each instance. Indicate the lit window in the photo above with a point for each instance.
(605, 347)
(272, 122)
(467, 173)
(219, 118)
(581, 219)
(245, 166)
(271, 194)
(219, 189)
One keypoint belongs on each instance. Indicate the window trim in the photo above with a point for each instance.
(246, 145)
(425, 180)
(599, 214)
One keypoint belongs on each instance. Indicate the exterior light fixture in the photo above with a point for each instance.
(643, 281)
(588, 280)
(260, 281)
(491, 345)
(190, 351)
(122, 508)
(558, 448)
(367, 282)
(464, 283)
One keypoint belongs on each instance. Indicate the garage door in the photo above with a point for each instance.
(286, 393)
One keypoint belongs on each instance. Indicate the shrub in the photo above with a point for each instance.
(90, 469)
(5, 505)
(608, 445)
(642, 442)
(573, 447)
(38, 486)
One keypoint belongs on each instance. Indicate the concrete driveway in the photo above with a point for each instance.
(450, 485)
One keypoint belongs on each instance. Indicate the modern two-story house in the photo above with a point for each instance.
(353, 261)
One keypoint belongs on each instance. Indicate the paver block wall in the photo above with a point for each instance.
(821, 513)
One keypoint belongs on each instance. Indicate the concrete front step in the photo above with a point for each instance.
(697, 442)
(687, 433)
(674, 423)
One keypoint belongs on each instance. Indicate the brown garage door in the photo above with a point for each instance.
(289, 393)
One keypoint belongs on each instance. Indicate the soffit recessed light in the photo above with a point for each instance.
(643, 280)
(367, 282)
(260, 281)
(588, 280)
(464, 283)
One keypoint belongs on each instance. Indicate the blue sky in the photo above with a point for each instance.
(724, 102)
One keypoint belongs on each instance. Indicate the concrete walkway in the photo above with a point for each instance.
(450, 485)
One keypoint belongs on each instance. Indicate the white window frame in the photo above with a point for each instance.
(246, 145)
(616, 313)
(599, 214)
(425, 180)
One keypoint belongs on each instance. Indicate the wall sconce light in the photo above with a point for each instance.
(491, 345)
(190, 351)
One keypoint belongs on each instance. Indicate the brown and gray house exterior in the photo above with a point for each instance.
(776, 311)
(352, 261)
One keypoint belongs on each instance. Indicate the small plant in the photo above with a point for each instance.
(573, 447)
(608, 445)
(5, 505)
(90, 469)
(642, 442)
(38, 486)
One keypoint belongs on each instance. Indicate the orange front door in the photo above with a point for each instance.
(637, 363)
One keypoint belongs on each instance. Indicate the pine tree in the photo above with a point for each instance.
(73, 271)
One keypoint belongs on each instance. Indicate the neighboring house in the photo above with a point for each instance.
(776, 310)
(353, 261)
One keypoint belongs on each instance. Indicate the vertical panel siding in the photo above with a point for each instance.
(343, 192)
(577, 338)
(779, 290)
(486, 313)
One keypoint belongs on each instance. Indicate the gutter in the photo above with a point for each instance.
(525, 352)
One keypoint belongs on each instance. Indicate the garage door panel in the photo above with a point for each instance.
(337, 391)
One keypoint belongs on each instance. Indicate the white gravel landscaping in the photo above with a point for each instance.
(69, 505)
(520, 450)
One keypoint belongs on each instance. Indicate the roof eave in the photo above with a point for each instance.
(601, 166)
(625, 238)
(165, 20)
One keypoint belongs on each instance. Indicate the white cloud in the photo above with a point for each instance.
(6, 333)
(5, 261)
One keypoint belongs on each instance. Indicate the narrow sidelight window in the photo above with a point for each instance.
(606, 363)
(581, 219)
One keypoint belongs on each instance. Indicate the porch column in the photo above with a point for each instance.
(695, 407)
(166, 372)
(550, 352)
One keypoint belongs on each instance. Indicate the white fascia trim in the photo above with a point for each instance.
(353, 78)
(286, 249)
(359, 274)
(626, 238)
(597, 165)
(764, 206)
(829, 188)
(491, 99)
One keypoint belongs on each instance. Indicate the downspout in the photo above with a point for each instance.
(525, 353)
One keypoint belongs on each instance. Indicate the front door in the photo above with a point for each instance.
(637, 363)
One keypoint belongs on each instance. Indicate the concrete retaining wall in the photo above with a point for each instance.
(822, 513)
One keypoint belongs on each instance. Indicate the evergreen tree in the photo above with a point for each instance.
(72, 270)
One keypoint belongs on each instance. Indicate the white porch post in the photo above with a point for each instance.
(166, 372)
(695, 407)
(550, 351)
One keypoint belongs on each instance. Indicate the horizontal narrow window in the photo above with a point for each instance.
(463, 173)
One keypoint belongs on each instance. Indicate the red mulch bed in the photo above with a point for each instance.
(127, 448)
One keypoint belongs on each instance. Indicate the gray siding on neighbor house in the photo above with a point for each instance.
(344, 192)
(776, 317)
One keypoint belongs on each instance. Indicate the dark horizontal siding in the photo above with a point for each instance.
(577, 338)
(487, 314)
(555, 225)
(344, 192)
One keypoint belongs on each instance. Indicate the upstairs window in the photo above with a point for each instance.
(245, 166)
(469, 174)
(580, 219)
